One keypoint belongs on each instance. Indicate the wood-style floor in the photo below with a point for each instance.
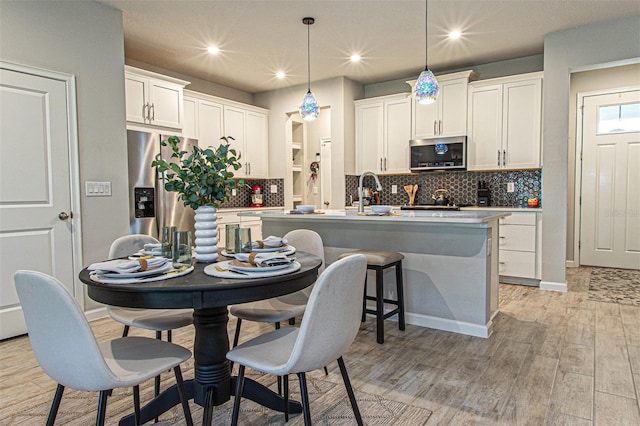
(553, 359)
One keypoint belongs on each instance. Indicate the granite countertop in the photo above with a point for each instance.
(432, 217)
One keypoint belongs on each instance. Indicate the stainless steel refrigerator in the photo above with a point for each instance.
(151, 207)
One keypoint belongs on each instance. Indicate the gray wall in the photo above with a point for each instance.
(491, 70)
(84, 39)
(337, 93)
(572, 50)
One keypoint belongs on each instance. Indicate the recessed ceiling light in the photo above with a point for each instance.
(280, 75)
(355, 57)
(213, 50)
(455, 34)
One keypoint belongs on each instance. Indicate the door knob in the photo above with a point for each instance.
(63, 216)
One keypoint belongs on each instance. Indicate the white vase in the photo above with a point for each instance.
(206, 234)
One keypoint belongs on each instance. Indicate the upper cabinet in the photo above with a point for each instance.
(504, 123)
(246, 124)
(190, 122)
(383, 130)
(153, 99)
(448, 115)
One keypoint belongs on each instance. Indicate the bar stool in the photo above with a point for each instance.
(379, 261)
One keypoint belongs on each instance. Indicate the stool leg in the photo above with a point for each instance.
(400, 294)
(364, 300)
(379, 306)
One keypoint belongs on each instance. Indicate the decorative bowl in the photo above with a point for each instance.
(306, 208)
(381, 209)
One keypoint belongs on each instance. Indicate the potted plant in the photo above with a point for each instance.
(202, 180)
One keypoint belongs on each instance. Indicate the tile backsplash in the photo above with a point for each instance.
(462, 186)
(243, 196)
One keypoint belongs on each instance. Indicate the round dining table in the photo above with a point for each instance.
(209, 297)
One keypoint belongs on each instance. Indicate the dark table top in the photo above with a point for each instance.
(198, 290)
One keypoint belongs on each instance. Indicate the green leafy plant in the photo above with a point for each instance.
(203, 178)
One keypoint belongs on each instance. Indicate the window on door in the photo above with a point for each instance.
(619, 118)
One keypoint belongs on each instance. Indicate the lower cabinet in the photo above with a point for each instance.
(519, 245)
(226, 217)
(519, 248)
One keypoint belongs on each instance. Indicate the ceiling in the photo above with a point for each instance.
(257, 38)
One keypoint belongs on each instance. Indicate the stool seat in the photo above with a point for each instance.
(377, 257)
(378, 261)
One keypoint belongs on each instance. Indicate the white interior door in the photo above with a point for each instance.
(35, 191)
(610, 211)
(325, 173)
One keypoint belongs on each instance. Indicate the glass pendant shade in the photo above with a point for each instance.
(309, 109)
(426, 89)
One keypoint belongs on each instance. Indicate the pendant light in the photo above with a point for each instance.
(309, 109)
(426, 89)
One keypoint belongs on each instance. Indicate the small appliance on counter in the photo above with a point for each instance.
(256, 196)
(484, 195)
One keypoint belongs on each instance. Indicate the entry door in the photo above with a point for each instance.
(34, 186)
(610, 212)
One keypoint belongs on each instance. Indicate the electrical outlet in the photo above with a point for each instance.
(394, 189)
(315, 190)
(234, 192)
(511, 187)
(274, 189)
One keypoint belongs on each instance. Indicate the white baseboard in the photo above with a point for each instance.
(450, 325)
(571, 264)
(553, 286)
(97, 313)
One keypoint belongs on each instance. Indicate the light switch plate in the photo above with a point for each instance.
(274, 189)
(97, 189)
(234, 192)
(511, 187)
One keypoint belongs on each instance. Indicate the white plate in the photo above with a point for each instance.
(164, 268)
(166, 276)
(212, 271)
(286, 250)
(254, 269)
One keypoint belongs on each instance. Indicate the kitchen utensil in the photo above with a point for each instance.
(409, 191)
(441, 197)
(413, 194)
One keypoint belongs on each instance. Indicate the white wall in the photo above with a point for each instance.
(575, 49)
(84, 39)
(582, 82)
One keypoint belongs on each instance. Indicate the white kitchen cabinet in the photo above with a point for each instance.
(153, 99)
(504, 123)
(248, 125)
(230, 216)
(190, 122)
(448, 115)
(249, 128)
(210, 125)
(383, 130)
(519, 248)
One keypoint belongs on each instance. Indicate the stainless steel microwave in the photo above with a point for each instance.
(438, 154)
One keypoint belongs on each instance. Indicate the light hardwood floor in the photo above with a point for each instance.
(553, 359)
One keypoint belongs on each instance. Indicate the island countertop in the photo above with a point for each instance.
(431, 217)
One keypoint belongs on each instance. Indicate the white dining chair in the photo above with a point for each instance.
(328, 328)
(282, 308)
(67, 351)
(158, 320)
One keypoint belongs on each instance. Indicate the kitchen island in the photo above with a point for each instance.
(451, 259)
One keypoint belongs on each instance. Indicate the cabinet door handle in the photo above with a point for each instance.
(498, 158)
(153, 112)
(440, 127)
(435, 125)
(504, 157)
(381, 169)
(249, 167)
(385, 164)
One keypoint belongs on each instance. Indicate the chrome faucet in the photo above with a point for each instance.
(360, 192)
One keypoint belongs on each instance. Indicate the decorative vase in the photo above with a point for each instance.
(206, 234)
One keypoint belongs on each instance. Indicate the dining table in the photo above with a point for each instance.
(209, 296)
